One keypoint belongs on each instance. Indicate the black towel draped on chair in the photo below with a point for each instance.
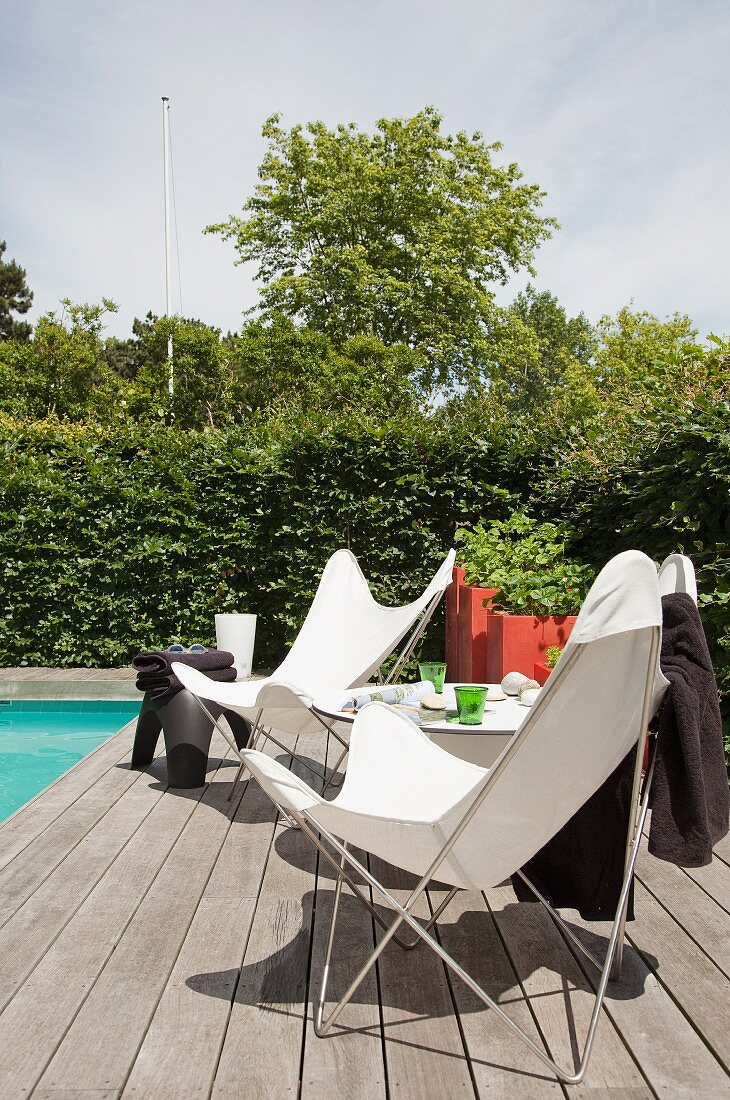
(582, 866)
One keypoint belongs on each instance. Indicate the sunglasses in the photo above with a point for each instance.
(177, 648)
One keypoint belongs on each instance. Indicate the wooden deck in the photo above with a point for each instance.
(158, 943)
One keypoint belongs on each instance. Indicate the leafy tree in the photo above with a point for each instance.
(127, 357)
(15, 297)
(397, 234)
(297, 372)
(61, 371)
(202, 396)
(562, 341)
(646, 368)
(637, 348)
(120, 356)
(276, 361)
(541, 377)
(543, 360)
(370, 380)
(649, 372)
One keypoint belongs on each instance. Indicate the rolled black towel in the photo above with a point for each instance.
(160, 661)
(159, 684)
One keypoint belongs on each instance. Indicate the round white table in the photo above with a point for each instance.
(480, 744)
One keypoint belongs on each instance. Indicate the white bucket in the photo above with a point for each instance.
(237, 634)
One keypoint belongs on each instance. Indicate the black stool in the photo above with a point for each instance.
(187, 731)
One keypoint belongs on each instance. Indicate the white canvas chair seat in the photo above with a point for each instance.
(677, 574)
(413, 804)
(344, 639)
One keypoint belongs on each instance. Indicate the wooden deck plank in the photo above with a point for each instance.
(702, 918)
(348, 1063)
(31, 820)
(715, 877)
(34, 673)
(74, 1094)
(560, 997)
(502, 1065)
(684, 970)
(722, 849)
(672, 1055)
(101, 1045)
(179, 1054)
(424, 1050)
(44, 672)
(62, 979)
(714, 880)
(262, 1049)
(21, 673)
(32, 930)
(25, 873)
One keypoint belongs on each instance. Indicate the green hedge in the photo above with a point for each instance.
(119, 542)
(671, 493)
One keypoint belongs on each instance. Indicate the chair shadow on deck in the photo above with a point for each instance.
(223, 771)
(274, 976)
(513, 920)
(279, 982)
(517, 914)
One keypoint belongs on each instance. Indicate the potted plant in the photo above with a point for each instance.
(516, 593)
(541, 671)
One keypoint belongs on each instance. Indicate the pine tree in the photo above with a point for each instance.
(15, 297)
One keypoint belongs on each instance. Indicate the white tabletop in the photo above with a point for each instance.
(504, 716)
(480, 744)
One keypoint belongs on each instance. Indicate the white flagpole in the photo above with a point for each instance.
(168, 263)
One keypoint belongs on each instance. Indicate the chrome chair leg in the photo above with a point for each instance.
(252, 742)
(404, 914)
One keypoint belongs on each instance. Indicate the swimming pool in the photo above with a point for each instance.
(40, 739)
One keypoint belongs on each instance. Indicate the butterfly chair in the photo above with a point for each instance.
(411, 803)
(344, 639)
(677, 574)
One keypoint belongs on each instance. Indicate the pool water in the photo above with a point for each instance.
(40, 739)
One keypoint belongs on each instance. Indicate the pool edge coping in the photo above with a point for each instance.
(122, 691)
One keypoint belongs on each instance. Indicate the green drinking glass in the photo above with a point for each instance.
(435, 671)
(470, 700)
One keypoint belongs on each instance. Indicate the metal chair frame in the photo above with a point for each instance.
(412, 642)
(261, 733)
(609, 968)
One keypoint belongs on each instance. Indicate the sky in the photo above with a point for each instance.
(618, 109)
